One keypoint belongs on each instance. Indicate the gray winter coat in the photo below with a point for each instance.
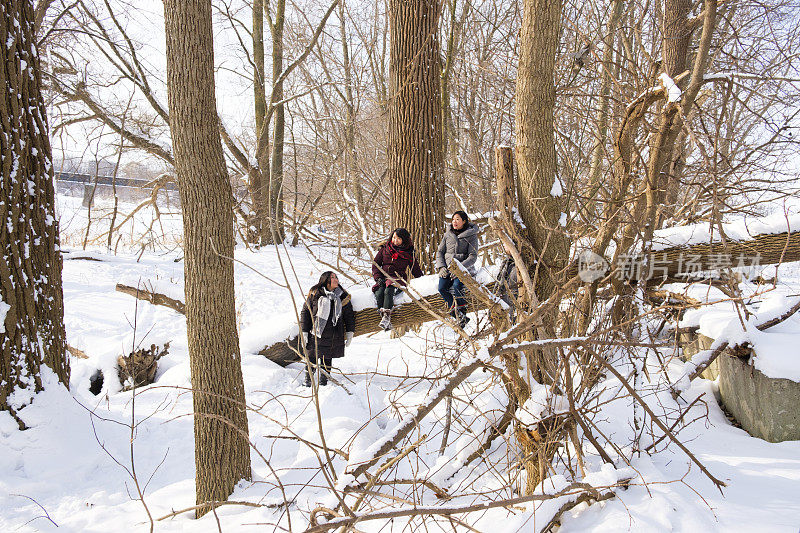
(463, 247)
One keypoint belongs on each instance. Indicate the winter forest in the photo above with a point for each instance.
(400, 265)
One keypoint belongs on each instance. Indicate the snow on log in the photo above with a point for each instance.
(680, 261)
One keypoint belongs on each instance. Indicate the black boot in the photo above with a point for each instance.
(307, 382)
(461, 317)
(323, 378)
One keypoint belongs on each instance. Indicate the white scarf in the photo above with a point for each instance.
(324, 309)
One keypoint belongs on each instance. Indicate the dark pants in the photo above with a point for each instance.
(384, 296)
(452, 286)
(322, 366)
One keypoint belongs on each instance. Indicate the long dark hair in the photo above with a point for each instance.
(324, 281)
(404, 235)
(464, 216)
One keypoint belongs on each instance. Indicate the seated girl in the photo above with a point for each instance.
(394, 264)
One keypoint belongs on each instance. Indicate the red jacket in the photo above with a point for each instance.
(395, 262)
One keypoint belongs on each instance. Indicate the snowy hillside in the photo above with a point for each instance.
(82, 462)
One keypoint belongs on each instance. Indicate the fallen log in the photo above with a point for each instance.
(765, 249)
(680, 263)
(768, 248)
(154, 298)
(423, 309)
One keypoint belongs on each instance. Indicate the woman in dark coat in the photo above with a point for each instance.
(327, 324)
(460, 242)
(394, 264)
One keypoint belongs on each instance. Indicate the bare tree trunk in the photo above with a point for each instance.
(596, 165)
(256, 175)
(276, 162)
(665, 151)
(258, 60)
(415, 124)
(454, 33)
(222, 454)
(350, 154)
(540, 199)
(31, 297)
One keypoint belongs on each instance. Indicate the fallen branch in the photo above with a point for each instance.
(777, 320)
(586, 497)
(220, 504)
(75, 352)
(154, 298)
(350, 521)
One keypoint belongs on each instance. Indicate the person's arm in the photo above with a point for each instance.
(377, 275)
(349, 317)
(349, 322)
(472, 254)
(305, 320)
(440, 254)
(416, 271)
(305, 315)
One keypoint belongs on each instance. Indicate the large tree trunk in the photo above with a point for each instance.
(540, 200)
(222, 454)
(415, 124)
(31, 298)
(666, 148)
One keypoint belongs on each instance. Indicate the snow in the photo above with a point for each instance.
(73, 464)
(774, 348)
(672, 90)
(4, 307)
(740, 229)
(556, 190)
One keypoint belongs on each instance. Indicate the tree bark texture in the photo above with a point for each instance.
(677, 34)
(540, 204)
(415, 124)
(276, 164)
(31, 298)
(222, 454)
(256, 188)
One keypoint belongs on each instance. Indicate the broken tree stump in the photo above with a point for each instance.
(139, 367)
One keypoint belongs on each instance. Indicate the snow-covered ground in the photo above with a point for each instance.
(72, 470)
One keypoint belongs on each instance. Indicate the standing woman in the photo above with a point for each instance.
(460, 241)
(328, 323)
(394, 264)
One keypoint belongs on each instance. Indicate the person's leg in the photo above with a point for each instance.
(325, 370)
(309, 371)
(461, 303)
(388, 304)
(444, 289)
(388, 299)
(458, 291)
(380, 295)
